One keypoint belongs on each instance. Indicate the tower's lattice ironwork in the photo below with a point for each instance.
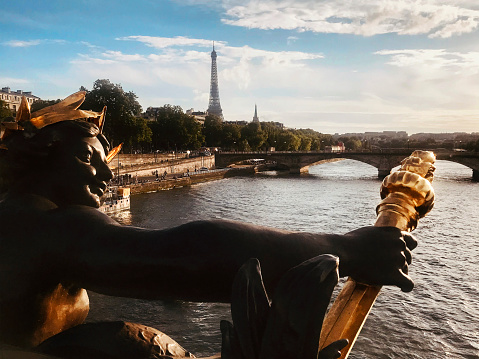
(214, 107)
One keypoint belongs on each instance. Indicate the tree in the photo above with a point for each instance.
(272, 132)
(5, 113)
(231, 136)
(122, 108)
(194, 136)
(255, 136)
(39, 104)
(173, 129)
(288, 141)
(213, 131)
(140, 135)
(305, 144)
(351, 143)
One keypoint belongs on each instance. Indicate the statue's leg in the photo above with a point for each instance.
(112, 340)
(291, 326)
(298, 308)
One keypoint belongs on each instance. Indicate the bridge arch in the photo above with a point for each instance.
(384, 161)
(470, 160)
(299, 162)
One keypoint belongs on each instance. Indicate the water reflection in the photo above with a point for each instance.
(123, 217)
(438, 319)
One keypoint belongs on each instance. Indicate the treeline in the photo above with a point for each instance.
(466, 142)
(172, 129)
(255, 136)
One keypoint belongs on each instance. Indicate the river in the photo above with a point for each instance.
(438, 319)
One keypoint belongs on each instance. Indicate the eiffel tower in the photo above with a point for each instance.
(214, 107)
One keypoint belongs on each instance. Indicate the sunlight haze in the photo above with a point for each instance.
(333, 66)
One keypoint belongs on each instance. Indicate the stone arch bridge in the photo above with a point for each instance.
(384, 161)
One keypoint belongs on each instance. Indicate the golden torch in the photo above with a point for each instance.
(407, 195)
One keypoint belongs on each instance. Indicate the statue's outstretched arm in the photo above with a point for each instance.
(198, 261)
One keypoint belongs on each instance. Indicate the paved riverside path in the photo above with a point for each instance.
(151, 184)
(142, 167)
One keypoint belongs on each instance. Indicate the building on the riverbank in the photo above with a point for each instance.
(13, 98)
(199, 116)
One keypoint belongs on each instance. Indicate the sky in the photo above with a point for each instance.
(335, 66)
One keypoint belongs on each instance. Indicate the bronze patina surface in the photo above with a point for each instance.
(55, 244)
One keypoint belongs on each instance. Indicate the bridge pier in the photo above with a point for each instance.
(382, 173)
(298, 170)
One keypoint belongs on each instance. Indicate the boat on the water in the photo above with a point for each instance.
(116, 199)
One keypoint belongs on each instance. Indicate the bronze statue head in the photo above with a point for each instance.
(58, 153)
(65, 162)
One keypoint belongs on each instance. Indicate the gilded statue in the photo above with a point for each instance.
(55, 245)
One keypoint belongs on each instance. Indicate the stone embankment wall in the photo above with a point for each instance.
(140, 159)
(142, 169)
(153, 186)
(146, 165)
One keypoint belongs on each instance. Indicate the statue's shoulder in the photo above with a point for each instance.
(24, 203)
(33, 215)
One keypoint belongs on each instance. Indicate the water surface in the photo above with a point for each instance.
(439, 319)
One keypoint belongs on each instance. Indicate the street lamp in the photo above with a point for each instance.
(118, 166)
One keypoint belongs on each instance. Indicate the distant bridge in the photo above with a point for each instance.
(384, 161)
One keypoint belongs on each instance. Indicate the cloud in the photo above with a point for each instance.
(237, 63)
(89, 45)
(291, 39)
(432, 80)
(163, 42)
(435, 18)
(19, 43)
(118, 56)
(434, 60)
(28, 43)
(415, 88)
(13, 81)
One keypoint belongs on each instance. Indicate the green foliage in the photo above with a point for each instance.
(139, 134)
(213, 131)
(351, 143)
(288, 141)
(173, 129)
(231, 137)
(39, 104)
(472, 146)
(122, 108)
(5, 113)
(254, 135)
(305, 144)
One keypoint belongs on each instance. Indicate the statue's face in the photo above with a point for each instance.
(81, 173)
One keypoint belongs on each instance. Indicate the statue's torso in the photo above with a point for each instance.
(34, 304)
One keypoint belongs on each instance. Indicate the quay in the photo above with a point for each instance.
(172, 181)
(151, 172)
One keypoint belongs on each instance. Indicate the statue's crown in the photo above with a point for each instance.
(65, 110)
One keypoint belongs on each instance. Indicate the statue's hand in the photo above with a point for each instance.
(333, 350)
(378, 256)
